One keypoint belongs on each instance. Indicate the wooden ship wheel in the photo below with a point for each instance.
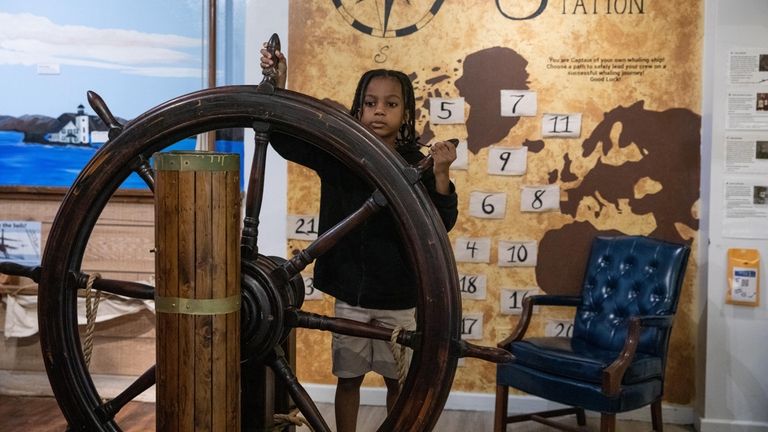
(270, 287)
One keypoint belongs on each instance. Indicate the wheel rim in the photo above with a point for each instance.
(438, 310)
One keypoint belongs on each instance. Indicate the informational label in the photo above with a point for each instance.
(511, 300)
(746, 153)
(748, 108)
(20, 242)
(748, 66)
(472, 326)
(561, 125)
(518, 253)
(518, 103)
(744, 285)
(507, 161)
(310, 292)
(746, 208)
(446, 111)
(472, 286)
(488, 205)
(540, 198)
(558, 328)
(472, 249)
(302, 227)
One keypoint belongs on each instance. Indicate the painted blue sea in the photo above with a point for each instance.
(30, 164)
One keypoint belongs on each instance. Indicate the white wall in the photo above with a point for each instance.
(262, 19)
(735, 375)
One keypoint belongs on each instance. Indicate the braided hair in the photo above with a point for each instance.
(407, 134)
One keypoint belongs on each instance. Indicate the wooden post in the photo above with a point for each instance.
(197, 294)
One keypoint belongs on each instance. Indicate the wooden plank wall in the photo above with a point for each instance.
(119, 247)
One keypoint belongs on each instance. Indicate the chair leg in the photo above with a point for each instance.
(656, 421)
(607, 422)
(581, 419)
(500, 414)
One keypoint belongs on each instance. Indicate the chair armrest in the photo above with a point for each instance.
(614, 373)
(527, 313)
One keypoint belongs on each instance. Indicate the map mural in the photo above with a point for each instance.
(627, 73)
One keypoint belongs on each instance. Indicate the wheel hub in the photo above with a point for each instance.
(264, 302)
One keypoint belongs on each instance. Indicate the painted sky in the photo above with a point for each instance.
(134, 54)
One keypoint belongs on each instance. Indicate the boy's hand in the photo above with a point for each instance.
(282, 66)
(443, 155)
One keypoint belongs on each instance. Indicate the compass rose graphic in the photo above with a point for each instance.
(388, 18)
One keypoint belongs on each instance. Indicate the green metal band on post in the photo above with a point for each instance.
(186, 306)
(196, 161)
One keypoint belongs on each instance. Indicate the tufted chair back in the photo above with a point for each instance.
(629, 276)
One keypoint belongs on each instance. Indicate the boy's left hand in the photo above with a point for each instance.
(443, 155)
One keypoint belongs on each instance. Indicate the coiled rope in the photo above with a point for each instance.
(91, 309)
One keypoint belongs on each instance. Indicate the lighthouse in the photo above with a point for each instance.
(82, 124)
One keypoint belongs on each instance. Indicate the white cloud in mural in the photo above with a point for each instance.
(29, 40)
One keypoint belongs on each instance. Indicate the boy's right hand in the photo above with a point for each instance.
(282, 66)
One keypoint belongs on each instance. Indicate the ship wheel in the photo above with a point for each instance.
(436, 342)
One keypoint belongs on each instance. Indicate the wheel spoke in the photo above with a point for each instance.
(308, 320)
(109, 409)
(491, 354)
(328, 239)
(124, 288)
(145, 171)
(248, 245)
(300, 397)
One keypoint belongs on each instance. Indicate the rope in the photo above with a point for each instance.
(91, 309)
(290, 419)
(398, 352)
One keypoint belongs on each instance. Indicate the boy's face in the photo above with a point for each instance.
(383, 108)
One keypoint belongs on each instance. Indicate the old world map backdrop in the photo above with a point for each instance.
(579, 117)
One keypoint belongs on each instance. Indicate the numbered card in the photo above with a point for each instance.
(558, 328)
(474, 250)
(472, 326)
(561, 125)
(511, 300)
(518, 103)
(507, 161)
(462, 156)
(540, 198)
(461, 362)
(472, 286)
(302, 227)
(446, 111)
(518, 253)
(488, 205)
(310, 292)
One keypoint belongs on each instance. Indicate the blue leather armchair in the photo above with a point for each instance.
(615, 360)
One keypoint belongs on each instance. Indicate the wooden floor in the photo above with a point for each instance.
(42, 415)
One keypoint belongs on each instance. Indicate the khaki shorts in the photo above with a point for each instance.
(355, 356)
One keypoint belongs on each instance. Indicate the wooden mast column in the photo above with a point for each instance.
(197, 295)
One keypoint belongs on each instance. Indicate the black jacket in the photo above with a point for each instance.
(368, 267)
